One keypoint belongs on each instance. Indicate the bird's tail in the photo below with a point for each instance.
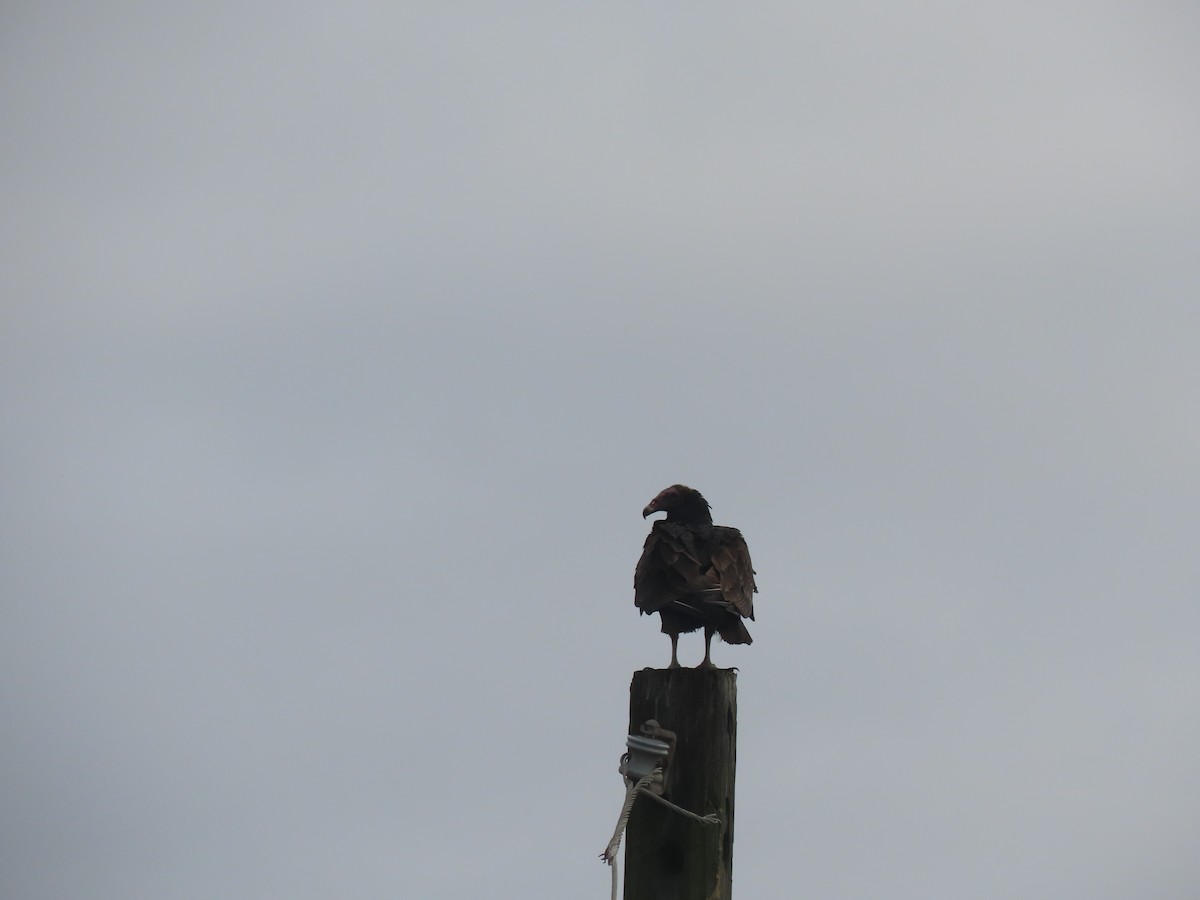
(717, 613)
(735, 632)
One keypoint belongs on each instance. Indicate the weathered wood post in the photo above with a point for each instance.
(667, 856)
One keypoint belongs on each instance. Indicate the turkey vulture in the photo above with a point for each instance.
(693, 573)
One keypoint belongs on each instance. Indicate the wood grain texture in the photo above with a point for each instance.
(667, 856)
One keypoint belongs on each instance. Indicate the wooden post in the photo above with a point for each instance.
(668, 856)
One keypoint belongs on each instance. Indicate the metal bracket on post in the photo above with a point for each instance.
(653, 749)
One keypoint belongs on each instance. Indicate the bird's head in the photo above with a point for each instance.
(681, 504)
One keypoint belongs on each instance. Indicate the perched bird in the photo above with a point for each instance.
(693, 573)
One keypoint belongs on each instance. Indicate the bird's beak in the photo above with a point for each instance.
(650, 508)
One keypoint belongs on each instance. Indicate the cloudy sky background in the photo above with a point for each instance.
(341, 346)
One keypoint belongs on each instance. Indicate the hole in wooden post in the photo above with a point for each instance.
(670, 857)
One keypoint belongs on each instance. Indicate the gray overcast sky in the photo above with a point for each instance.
(342, 345)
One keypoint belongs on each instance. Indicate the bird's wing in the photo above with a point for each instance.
(670, 567)
(730, 561)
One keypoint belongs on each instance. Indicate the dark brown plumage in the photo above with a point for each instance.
(693, 573)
